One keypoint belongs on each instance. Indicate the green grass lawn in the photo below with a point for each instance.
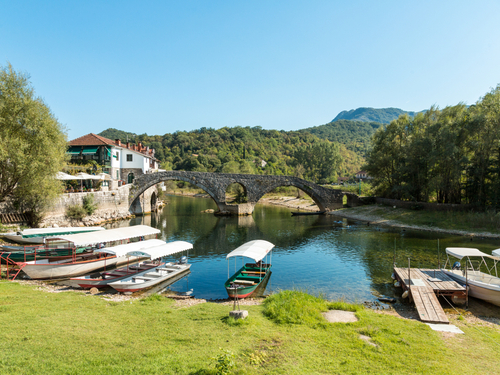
(78, 333)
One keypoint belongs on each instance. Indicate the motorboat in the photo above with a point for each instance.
(159, 274)
(478, 272)
(252, 278)
(38, 235)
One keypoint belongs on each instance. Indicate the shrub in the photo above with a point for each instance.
(75, 212)
(88, 204)
(295, 307)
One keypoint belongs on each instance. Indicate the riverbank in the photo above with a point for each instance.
(157, 335)
(457, 223)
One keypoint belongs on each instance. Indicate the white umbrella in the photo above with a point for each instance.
(104, 176)
(64, 176)
(86, 176)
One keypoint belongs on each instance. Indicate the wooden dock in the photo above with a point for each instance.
(425, 286)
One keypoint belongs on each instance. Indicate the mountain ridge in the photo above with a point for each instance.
(369, 114)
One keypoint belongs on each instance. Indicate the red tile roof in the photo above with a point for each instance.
(91, 140)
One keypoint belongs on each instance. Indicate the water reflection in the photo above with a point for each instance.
(336, 257)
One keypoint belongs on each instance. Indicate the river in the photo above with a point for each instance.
(323, 255)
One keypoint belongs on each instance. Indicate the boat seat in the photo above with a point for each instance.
(243, 282)
(141, 278)
(152, 274)
(164, 269)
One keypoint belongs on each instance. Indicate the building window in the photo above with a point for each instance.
(129, 157)
(117, 156)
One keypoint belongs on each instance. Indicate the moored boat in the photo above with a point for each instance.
(39, 235)
(102, 279)
(86, 263)
(482, 285)
(159, 274)
(251, 279)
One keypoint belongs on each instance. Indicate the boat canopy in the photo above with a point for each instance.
(496, 253)
(255, 250)
(163, 250)
(109, 235)
(45, 232)
(461, 252)
(122, 250)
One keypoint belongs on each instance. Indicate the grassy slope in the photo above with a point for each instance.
(76, 333)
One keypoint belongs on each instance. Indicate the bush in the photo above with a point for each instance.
(88, 204)
(295, 307)
(75, 212)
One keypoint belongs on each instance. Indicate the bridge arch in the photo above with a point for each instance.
(216, 184)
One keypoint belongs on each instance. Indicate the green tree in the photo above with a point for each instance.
(32, 145)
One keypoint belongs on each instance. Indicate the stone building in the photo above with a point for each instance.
(122, 161)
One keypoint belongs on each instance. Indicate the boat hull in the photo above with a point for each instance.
(244, 291)
(106, 278)
(157, 275)
(42, 270)
(477, 289)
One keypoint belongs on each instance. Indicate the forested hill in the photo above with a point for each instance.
(380, 115)
(250, 150)
(355, 135)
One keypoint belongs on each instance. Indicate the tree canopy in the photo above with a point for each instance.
(447, 156)
(32, 145)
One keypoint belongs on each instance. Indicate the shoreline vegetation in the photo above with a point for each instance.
(469, 224)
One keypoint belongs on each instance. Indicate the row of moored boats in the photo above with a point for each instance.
(126, 260)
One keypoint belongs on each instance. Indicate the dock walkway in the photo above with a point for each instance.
(425, 286)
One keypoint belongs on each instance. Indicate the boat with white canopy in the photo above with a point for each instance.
(90, 261)
(483, 285)
(38, 235)
(158, 274)
(251, 278)
(102, 279)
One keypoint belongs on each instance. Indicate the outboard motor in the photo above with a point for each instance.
(456, 266)
(183, 260)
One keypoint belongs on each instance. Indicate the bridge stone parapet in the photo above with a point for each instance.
(255, 186)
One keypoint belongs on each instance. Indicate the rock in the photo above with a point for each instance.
(238, 314)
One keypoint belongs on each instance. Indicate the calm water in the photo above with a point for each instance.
(325, 254)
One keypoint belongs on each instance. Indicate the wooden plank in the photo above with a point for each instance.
(427, 305)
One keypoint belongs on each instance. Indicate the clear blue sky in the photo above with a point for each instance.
(157, 67)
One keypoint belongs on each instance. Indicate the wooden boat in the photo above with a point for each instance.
(159, 274)
(252, 278)
(83, 264)
(38, 235)
(102, 279)
(482, 285)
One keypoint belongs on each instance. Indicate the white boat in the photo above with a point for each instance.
(38, 235)
(85, 263)
(163, 272)
(482, 285)
(102, 279)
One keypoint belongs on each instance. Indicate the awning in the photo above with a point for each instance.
(164, 250)
(122, 250)
(74, 150)
(461, 252)
(109, 235)
(86, 176)
(255, 250)
(89, 150)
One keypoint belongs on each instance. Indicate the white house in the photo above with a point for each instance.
(122, 161)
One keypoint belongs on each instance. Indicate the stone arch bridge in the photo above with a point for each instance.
(255, 186)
